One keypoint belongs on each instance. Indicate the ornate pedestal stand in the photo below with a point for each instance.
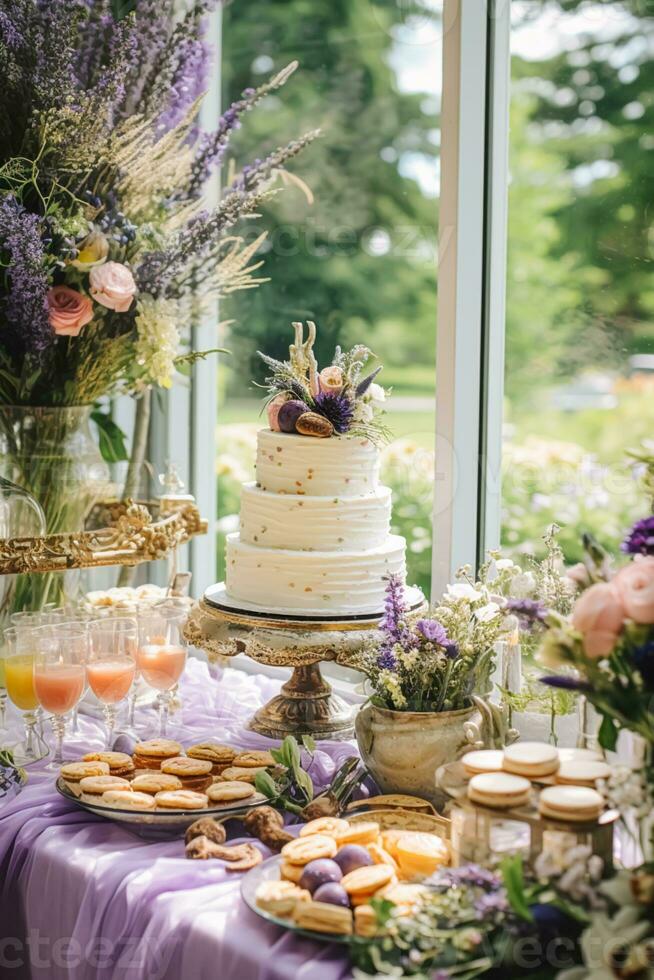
(306, 704)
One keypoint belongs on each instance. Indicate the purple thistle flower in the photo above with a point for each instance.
(566, 683)
(25, 307)
(432, 631)
(640, 540)
(451, 649)
(386, 659)
(336, 407)
(529, 612)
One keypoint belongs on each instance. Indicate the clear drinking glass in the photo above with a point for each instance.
(162, 652)
(3, 689)
(111, 669)
(19, 653)
(60, 675)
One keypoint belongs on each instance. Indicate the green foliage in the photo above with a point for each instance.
(111, 438)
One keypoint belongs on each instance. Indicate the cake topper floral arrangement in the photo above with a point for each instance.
(334, 401)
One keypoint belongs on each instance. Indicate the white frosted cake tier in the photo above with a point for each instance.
(336, 467)
(276, 520)
(313, 582)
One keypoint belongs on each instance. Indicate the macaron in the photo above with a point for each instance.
(500, 790)
(576, 804)
(483, 760)
(531, 759)
(195, 774)
(580, 755)
(155, 782)
(219, 755)
(584, 773)
(93, 787)
(150, 754)
(120, 764)
(73, 772)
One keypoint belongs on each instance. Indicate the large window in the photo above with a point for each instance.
(579, 380)
(356, 249)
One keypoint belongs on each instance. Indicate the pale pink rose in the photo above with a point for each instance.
(112, 285)
(331, 379)
(273, 411)
(599, 616)
(68, 310)
(635, 586)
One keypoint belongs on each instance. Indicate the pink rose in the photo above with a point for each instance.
(599, 616)
(331, 379)
(68, 310)
(112, 285)
(273, 411)
(634, 585)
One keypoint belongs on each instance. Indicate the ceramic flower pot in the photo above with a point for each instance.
(403, 749)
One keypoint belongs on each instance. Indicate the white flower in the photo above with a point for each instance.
(522, 585)
(463, 591)
(363, 412)
(503, 563)
(488, 612)
(157, 344)
(376, 394)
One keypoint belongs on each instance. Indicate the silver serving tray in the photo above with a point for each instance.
(270, 871)
(162, 823)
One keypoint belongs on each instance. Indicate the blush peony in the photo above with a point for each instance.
(635, 585)
(599, 616)
(68, 310)
(112, 285)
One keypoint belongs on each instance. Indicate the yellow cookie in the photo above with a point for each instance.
(420, 853)
(95, 786)
(366, 832)
(332, 826)
(73, 772)
(380, 856)
(321, 917)
(367, 880)
(291, 872)
(155, 782)
(365, 921)
(225, 792)
(301, 850)
(252, 758)
(182, 799)
(280, 897)
(243, 774)
(125, 799)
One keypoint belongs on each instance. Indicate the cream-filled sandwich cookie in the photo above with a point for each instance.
(531, 759)
(580, 755)
(482, 760)
(500, 790)
(181, 799)
(576, 804)
(155, 781)
(127, 800)
(195, 774)
(584, 773)
(150, 754)
(92, 787)
(225, 791)
(74, 772)
(120, 764)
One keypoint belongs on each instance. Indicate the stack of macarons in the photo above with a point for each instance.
(502, 779)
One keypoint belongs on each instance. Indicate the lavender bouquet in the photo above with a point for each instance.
(108, 251)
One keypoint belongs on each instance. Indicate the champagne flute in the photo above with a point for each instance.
(112, 664)
(60, 675)
(31, 619)
(19, 681)
(162, 652)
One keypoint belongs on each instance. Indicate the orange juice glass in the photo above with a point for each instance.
(111, 669)
(60, 675)
(18, 654)
(162, 651)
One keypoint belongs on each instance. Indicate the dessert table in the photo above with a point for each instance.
(82, 898)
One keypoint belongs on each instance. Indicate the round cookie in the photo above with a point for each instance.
(531, 759)
(280, 897)
(482, 760)
(301, 850)
(120, 763)
(322, 917)
(253, 758)
(73, 772)
(127, 800)
(583, 773)
(150, 754)
(291, 872)
(226, 791)
(244, 774)
(181, 799)
(367, 880)
(195, 774)
(580, 755)
(501, 790)
(575, 804)
(155, 781)
(95, 786)
(219, 755)
(325, 825)
(420, 853)
(365, 832)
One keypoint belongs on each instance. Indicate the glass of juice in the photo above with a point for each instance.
(60, 675)
(19, 652)
(111, 668)
(162, 652)
(3, 689)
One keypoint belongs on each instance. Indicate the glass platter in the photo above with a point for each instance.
(162, 823)
(270, 871)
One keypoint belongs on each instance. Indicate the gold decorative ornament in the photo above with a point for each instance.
(121, 533)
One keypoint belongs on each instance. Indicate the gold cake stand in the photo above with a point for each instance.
(306, 704)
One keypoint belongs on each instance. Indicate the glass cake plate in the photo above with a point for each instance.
(270, 871)
(162, 823)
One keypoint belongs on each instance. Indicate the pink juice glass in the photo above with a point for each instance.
(162, 652)
(112, 664)
(60, 675)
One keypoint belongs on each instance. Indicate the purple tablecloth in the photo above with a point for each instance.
(82, 898)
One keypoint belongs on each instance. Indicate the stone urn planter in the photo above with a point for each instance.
(403, 749)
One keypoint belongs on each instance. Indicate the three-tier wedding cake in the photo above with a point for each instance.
(314, 533)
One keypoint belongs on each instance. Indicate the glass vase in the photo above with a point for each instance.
(50, 452)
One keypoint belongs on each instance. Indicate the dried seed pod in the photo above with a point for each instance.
(206, 827)
(267, 824)
(312, 424)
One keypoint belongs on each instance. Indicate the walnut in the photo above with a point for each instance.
(240, 857)
(268, 825)
(206, 827)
